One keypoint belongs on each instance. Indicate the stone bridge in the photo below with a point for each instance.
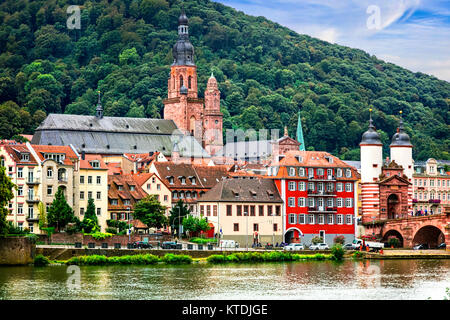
(432, 230)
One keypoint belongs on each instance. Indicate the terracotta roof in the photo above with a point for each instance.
(125, 193)
(114, 168)
(205, 176)
(315, 159)
(86, 163)
(67, 150)
(15, 151)
(27, 136)
(138, 224)
(243, 190)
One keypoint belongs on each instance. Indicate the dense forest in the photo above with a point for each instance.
(266, 73)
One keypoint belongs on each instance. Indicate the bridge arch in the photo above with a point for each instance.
(429, 234)
(393, 233)
(292, 234)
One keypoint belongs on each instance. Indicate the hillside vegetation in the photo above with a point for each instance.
(266, 73)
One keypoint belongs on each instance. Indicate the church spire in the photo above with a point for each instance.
(300, 133)
(183, 50)
(99, 110)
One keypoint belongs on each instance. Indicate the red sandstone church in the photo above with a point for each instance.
(198, 117)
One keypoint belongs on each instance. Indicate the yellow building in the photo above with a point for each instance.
(91, 181)
(244, 209)
(152, 184)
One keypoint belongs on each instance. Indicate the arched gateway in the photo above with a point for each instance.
(292, 234)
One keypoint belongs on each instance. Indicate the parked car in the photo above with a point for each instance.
(228, 244)
(442, 246)
(348, 246)
(294, 247)
(373, 245)
(319, 246)
(422, 246)
(169, 245)
(142, 245)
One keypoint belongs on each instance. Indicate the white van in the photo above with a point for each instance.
(228, 244)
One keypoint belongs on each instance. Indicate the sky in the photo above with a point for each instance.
(414, 34)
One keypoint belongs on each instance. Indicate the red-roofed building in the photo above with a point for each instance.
(319, 191)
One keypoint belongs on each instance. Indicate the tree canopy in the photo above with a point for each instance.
(150, 211)
(266, 73)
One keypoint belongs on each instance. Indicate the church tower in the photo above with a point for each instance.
(200, 118)
(213, 118)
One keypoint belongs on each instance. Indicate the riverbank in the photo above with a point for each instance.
(407, 254)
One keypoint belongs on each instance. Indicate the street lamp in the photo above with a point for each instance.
(129, 229)
(246, 228)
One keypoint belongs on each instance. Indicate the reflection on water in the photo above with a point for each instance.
(390, 279)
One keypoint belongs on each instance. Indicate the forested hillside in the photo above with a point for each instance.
(266, 73)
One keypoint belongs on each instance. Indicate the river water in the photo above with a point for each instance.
(366, 280)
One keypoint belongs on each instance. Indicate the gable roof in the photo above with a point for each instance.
(243, 190)
(15, 151)
(86, 163)
(70, 156)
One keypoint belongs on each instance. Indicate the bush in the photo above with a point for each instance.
(357, 254)
(100, 235)
(93, 260)
(111, 230)
(337, 252)
(394, 242)
(203, 240)
(316, 240)
(216, 258)
(339, 239)
(41, 261)
(170, 258)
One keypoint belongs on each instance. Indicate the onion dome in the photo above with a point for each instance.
(183, 50)
(401, 138)
(371, 136)
(183, 90)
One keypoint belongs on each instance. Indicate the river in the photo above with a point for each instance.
(367, 280)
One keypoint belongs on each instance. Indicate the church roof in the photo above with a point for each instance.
(114, 135)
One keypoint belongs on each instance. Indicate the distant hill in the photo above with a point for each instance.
(266, 73)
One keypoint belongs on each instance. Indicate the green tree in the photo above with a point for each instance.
(6, 194)
(195, 224)
(150, 211)
(177, 213)
(60, 213)
(42, 216)
(90, 221)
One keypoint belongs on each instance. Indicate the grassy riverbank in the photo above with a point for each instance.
(273, 256)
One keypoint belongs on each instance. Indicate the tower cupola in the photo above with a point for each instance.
(183, 50)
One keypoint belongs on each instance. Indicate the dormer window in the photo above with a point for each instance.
(95, 163)
(193, 181)
(182, 179)
(25, 157)
(292, 172)
(120, 188)
(339, 172)
(132, 188)
(170, 179)
(348, 173)
(299, 158)
(301, 172)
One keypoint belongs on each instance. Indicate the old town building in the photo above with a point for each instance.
(319, 192)
(244, 209)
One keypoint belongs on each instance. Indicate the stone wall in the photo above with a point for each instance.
(16, 251)
(122, 239)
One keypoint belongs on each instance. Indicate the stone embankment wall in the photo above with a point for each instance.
(16, 251)
(122, 239)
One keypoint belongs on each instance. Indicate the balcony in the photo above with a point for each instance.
(317, 209)
(62, 180)
(33, 181)
(322, 193)
(434, 201)
(322, 178)
(32, 219)
(32, 199)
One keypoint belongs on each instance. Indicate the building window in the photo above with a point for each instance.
(166, 198)
(301, 186)
(321, 219)
(339, 219)
(49, 190)
(291, 202)
(49, 172)
(99, 179)
(330, 173)
(261, 210)
(301, 172)
(99, 195)
(175, 195)
(339, 186)
(255, 227)
(215, 211)
(339, 172)
(252, 211)
(329, 219)
(114, 202)
(310, 186)
(339, 202)
(311, 172)
(20, 191)
(20, 209)
(239, 210)
(236, 227)
(89, 194)
(158, 187)
(348, 219)
(19, 172)
(348, 187)
(320, 187)
(202, 210)
(292, 172)
(330, 187)
(291, 186)
(278, 211)
(229, 210)
(269, 210)
(310, 202)
(149, 186)
(89, 179)
(301, 202)
(126, 202)
(81, 211)
(348, 173)
(330, 202)
(301, 219)
(99, 211)
(310, 218)
(275, 227)
(208, 210)
(81, 179)
(291, 218)
(320, 172)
